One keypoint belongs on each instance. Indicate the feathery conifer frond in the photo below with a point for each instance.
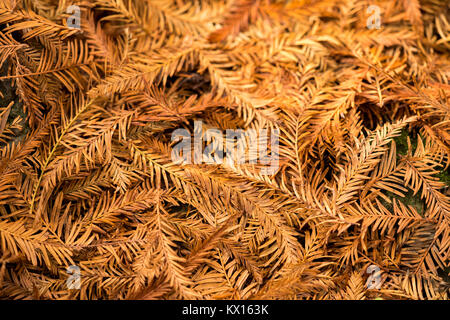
(344, 128)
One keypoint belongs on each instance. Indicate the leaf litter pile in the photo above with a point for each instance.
(358, 206)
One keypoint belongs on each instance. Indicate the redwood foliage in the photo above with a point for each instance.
(87, 178)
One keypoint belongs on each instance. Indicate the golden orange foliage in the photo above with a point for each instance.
(87, 178)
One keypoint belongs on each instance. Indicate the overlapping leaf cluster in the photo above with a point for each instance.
(87, 179)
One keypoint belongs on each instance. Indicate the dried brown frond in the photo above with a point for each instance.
(353, 121)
